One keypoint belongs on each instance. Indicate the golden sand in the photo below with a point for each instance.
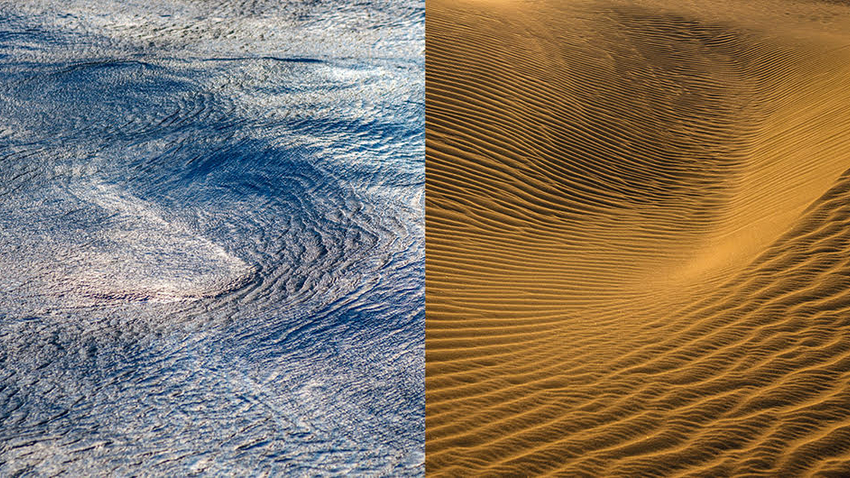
(638, 238)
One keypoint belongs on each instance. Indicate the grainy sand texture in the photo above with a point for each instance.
(638, 238)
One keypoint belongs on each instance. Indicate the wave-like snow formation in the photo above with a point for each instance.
(211, 237)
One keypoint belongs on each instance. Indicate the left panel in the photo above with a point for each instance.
(211, 238)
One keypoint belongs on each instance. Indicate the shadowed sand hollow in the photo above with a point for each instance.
(638, 238)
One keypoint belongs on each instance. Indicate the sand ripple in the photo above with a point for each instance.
(637, 246)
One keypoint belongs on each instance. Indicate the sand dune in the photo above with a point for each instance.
(638, 252)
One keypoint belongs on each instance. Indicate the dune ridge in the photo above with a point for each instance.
(637, 244)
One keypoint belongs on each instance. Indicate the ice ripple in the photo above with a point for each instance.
(212, 243)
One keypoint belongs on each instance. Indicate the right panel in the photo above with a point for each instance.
(638, 238)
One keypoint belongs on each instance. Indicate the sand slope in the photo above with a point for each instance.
(638, 253)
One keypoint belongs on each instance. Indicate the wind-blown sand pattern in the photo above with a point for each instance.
(638, 238)
(211, 238)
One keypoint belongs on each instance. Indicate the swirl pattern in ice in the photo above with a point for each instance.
(211, 238)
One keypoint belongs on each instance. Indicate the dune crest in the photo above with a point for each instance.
(637, 246)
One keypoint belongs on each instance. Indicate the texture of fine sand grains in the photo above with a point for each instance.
(638, 238)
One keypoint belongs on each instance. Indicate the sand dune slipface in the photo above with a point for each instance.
(637, 238)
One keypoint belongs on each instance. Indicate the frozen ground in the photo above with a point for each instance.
(211, 238)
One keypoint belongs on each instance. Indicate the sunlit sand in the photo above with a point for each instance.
(637, 238)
